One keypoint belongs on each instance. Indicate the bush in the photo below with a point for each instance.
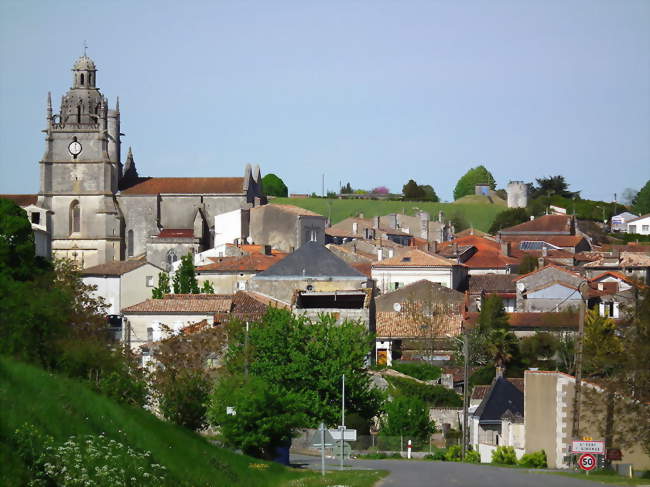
(504, 455)
(453, 454)
(438, 455)
(435, 396)
(533, 460)
(183, 399)
(407, 416)
(419, 370)
(472, 456)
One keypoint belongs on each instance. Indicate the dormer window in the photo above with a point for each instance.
(406, 259)
(36, 218)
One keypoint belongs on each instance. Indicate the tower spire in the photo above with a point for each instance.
(85, 47)
(117, 107)
(49, 105)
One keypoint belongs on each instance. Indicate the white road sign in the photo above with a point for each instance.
(349, 435)
(597, 447)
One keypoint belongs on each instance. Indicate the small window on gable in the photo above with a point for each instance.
(36, 218)
(149, 281)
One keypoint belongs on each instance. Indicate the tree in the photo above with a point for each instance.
(527, 264)
(407, 416)
(412, 192)
(553, 185)
(477, 175)
(501, 346)
(380, 190)
(207, 288)
(541, 344)
(493, 315)
(185, 277)
(642, 200)
(508, 218)
(429, 193)
(347, 189)
(255, 415)
(163, 286)
(272, 185)
(308, 358)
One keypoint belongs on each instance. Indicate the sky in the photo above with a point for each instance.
(368, 92)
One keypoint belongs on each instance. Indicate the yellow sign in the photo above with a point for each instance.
(587, 438)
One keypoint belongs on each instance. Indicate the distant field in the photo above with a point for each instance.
(477, 215)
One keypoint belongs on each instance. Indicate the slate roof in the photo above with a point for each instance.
(558, 224)
(186, 186)
(493, 283)
(502, 397)
(21, 199)
(251, 263)
(415, 258)
(115, 268)
(311, 260)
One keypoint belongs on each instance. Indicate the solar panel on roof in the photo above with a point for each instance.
(536, 245)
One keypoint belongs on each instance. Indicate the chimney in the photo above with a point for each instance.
(361, 215)
(505, 248)
(532, 217)
(540, 262)
(267, 250)
(544, 251)
(380, 254)
(375, 222)
(435, 246)
(455, 247)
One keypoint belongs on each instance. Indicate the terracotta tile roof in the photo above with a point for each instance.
(21, 199)
(296, 210)
(340, 232)
(413, 324)
(616, 275)
(250, 263)
(184, 303)
(587, 256)
(415, 258)
(557, 267)
(626, 259)
(252, 249)
(550, 253)
(244, 307)
(364, 267)
(493, 283)
(488, 253)
(532, 320)
(176, 233)
(458, 372)
(352, 252)
(479, 392)
(542, 224)
(268, 300)
(187, 186)
(115, 268)
(630, 247)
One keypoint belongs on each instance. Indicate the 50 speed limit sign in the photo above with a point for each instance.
(587, 462)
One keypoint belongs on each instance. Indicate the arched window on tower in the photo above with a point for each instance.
(129, 243)
(78, 113)
(171, 258)
(82, 79)
(75, 217)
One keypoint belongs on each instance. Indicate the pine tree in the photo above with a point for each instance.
(163, 286)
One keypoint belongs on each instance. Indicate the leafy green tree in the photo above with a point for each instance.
(163, 286)
(541, 344)
(429, 193)
(508, 218)
(642, 200)
(603, 348)
(185, 277)
(255, 415)
(309, 358)
(412, 191)
(347, 189)
(272, 185)
(553, 185)
(493, 315)
(476, 175)
(527, 264)
(207, 288)
(407, 416)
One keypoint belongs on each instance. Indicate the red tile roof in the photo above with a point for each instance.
(415, 258)
(21, 199)
(364, 267)
(176, 233)
(115, 268)
(251, 263)
(532, 320)
(184, 303)
(542, 224)
(488, 252)
(406, 324)
(187, 186)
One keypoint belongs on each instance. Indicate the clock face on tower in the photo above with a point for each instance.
(75, 148)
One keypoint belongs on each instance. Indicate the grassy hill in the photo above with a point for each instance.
(61, 407)
(481, 200)
(477, 214)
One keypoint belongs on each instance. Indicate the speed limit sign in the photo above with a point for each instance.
(587, 462)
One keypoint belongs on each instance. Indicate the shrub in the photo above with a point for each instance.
(504, 455)
(419, 370)
(436, 396)
(472, 456)
(533, 460)
(407, 416)
(453, 454)
(439, 455)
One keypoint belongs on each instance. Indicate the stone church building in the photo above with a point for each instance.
(101, 210)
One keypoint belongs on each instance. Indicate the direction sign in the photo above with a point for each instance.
(587, 462)
(318, 436)
(597, 447)
(348, 434)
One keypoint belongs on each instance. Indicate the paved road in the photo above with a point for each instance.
(449, 474)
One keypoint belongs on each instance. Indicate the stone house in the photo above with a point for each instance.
(414, 265)
(639, 225)
(349, 305)
(481, 255)
(482, 285)
(633, 265)
(551, 288)
(285, 227)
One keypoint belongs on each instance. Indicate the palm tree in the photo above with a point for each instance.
(500, 346)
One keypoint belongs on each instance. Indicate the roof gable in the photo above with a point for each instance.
(186, 186)
(503, 396)
(547, 224)
(311, 260)
(415, 258)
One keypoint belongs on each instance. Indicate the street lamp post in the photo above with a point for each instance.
(575, 433)
(464, 435)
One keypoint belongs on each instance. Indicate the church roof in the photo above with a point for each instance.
(312, 260)
(186, 186)
(84, 63)
(21, 199)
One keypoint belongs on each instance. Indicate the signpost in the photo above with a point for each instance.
(587, 462)
(322, 439)
(596, 447)
(348, 434)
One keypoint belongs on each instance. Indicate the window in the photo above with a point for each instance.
(150, 334)
(631, 228)
(149, 281)
(171, 258)
(645, 228)
(75, 217)
(82, 79)
(79, 114)
(36, 218)
(129, 243)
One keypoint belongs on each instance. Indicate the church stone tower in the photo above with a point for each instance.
(80, 171)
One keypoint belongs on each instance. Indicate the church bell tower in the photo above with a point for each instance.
(80, 171)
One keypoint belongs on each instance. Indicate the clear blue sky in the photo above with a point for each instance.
(372, 92)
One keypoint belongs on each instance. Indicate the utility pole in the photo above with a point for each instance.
(323, 186)
(465, 394)
(342, 419)
(575, 432)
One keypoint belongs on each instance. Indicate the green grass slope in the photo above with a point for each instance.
(61, 407)
(478, 215)
(480, 199)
